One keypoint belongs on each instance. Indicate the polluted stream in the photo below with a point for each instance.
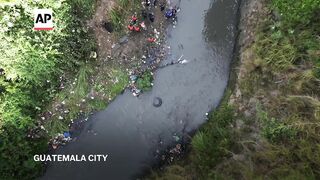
(132, 131)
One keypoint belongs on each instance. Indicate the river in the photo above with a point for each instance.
(131, 129)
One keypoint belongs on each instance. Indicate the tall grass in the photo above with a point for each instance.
(124, 3)
(211, 144)
(119, 82)
(82, 85)
(117, 18)
(276, 51)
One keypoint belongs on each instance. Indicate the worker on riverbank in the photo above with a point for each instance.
(134, 19)
(171, 13)
(151, 17)
(162, 6)
(144, 14)
(133, 26)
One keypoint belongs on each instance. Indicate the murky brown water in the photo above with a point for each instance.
(130, 129)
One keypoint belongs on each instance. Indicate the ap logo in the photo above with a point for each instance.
(43, 19)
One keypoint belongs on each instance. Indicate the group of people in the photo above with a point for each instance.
(135, 26)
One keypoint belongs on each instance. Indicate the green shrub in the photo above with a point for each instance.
(144, 82)
(297, 11)
(275, 130)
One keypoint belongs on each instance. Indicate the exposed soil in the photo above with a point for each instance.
(128, 53)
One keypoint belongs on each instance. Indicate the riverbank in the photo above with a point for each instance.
(268, 124)
(119, 55)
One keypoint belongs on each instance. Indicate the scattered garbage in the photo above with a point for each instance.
(142, 24)
(176, 138)
(93, 55)
(123, 40)
(171, 13)
(60, 139)
(157, 102)
(183, 61)
(67, 135)
(147, 3)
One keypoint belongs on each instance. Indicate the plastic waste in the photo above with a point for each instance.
(67, 134)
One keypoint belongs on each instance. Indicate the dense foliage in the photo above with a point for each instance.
(31, 63)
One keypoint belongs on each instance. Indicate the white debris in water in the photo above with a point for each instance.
(183, 61)
(60, 117)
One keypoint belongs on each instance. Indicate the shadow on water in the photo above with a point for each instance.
(131, 129)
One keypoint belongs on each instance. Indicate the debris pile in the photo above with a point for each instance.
(60, 139)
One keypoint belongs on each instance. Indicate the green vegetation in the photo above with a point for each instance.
(144, 81)
(119, 12)
(32, 62)
(212, 142)
(210, 146)
(276, 130)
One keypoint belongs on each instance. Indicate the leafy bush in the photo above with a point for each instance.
(298, 11)
(273, 129)
(144, 81)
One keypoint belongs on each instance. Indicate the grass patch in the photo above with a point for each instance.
(275, 130)
(82, 85)
(211, 143)
(119, 80)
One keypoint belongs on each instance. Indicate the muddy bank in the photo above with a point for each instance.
(131, 130)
